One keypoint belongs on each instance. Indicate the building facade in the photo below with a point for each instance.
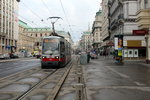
(37, 33)
(143, 20)
(8, 25)
(122, 14)
(105, 23)
(25, 43)
(97, 31)
(86, 41)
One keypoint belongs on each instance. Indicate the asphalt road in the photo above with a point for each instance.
(11, 67)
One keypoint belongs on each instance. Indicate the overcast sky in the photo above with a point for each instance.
(76, 13)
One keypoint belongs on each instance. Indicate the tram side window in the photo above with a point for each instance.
(62, 48)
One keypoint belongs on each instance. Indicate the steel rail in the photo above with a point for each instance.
(60, 84)
(34, 87)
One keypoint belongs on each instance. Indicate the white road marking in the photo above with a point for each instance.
(125, 76)
(113, 70)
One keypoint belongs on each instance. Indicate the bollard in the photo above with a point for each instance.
(79, 70)
(79, 91)
(79, 78)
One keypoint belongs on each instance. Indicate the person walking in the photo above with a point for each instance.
(88, 57)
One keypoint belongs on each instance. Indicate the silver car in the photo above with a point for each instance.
(4, 56)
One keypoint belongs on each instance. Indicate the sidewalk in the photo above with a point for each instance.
(105, 80)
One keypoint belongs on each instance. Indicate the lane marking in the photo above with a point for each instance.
(125, 76)
(113, 70)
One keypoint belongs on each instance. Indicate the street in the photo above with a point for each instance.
(107, 81)
(103, 80)
(16, 65)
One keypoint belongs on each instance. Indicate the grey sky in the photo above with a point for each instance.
(78, 13)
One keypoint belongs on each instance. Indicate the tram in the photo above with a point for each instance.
(56, 52)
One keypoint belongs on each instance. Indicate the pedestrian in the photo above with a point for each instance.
(88, 57)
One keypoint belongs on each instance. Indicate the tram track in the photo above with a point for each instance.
(51, 93)
(36, 85)
(38, 78)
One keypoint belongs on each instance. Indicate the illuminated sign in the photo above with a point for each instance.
(50, 40)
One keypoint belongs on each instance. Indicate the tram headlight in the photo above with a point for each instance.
(43, 57)
(57, 57)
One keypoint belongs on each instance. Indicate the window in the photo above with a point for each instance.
(145, 3)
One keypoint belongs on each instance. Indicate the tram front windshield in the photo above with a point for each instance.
(50, 47)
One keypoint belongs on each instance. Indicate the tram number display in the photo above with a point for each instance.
(49, 40)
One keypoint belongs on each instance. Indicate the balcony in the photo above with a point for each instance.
(120, 18)
(113, 24)
(143, 18)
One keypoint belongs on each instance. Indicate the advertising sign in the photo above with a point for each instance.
(116, 43)
(119, 52)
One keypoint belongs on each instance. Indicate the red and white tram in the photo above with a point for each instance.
(56, 52)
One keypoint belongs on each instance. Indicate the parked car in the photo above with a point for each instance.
(4, 56)
(1, 56)
(93, 55)
(13, 55)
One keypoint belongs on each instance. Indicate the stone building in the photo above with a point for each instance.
(97, 31)
(105, 23)
(143, 21)
(122, 14)
(25, 43)
(86, 41)
(8, 25)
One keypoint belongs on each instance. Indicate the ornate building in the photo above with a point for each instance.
(25, 43)
(86, 41)
(143, 20)
(122, 14)
(97, 31)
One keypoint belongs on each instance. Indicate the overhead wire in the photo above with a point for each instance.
(31, 22)
(34, 13)
(65, 15)
(46, 7)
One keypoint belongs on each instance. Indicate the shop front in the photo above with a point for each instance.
(134, 47)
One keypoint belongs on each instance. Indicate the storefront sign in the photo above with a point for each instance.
(140, 32)
(134, 43)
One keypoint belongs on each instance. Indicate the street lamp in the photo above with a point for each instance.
(53, 21)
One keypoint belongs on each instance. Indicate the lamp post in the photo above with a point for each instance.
(53, 21)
